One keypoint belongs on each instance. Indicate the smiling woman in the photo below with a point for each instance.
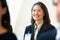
(40, 28)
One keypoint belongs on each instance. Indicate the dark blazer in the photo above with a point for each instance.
(8, 36)
(44, 33)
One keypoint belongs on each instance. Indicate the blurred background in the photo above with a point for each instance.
(20, 12)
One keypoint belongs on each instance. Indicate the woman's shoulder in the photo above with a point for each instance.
(52, 29)
(29, 26)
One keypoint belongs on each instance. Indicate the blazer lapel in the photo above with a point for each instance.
(32, 37)
(43, 29)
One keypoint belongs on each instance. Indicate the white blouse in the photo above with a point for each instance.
(37, 28)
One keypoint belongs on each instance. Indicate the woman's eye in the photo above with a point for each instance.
(34, 10)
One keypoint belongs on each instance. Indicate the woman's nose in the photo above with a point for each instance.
(36, 12)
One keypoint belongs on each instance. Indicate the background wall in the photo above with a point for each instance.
(20, 12)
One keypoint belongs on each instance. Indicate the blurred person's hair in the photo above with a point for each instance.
(5, 21)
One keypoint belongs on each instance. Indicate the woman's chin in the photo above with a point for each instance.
(36, 19)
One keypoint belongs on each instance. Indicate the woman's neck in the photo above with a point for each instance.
(2, 30)
(38, 22)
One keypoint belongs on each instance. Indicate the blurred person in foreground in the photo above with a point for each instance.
(57, 4)
(6, 32)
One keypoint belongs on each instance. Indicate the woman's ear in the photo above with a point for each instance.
(4, 10)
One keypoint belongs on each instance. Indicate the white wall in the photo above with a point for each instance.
(14, 8)
(20, 11)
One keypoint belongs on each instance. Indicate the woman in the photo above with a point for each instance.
(40, 28)
(5, 27)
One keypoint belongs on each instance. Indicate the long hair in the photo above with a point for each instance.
(5, 21)
(46, 18)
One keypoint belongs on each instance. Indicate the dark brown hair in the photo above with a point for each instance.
(46, 18)
(5, 21)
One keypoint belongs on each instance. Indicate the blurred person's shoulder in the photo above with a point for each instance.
(8, 36)
(12, 36)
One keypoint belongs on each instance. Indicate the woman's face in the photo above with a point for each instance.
(2, 10)
(37, 13)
